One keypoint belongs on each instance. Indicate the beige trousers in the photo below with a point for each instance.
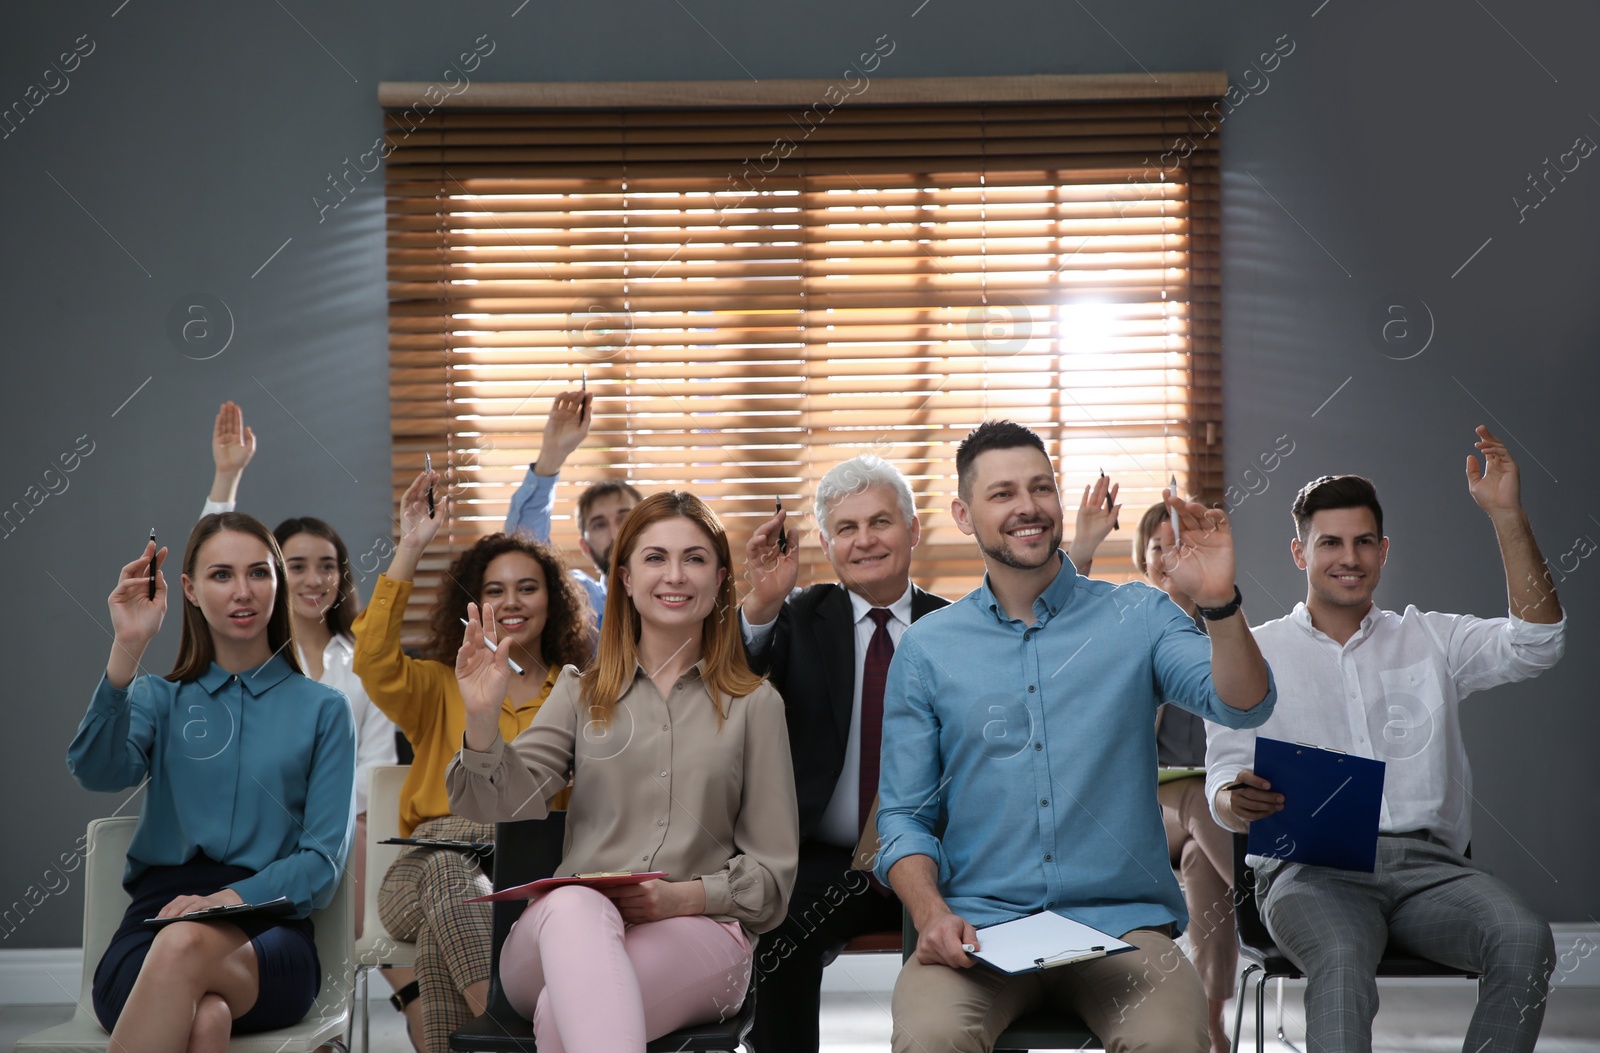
(1144, 999)
(1203, 853)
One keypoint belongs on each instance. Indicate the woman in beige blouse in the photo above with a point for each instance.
(679, 760)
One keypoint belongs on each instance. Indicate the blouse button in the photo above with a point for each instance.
(663, 775)
(661, 822)
(666, 727)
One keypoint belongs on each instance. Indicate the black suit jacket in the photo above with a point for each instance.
(811, 661)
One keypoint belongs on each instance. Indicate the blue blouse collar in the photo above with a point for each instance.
(257, 681)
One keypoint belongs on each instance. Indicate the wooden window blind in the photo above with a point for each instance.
(759, 292)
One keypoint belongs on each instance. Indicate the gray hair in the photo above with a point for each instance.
(856, 476)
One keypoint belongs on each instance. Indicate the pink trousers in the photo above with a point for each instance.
(591, 983)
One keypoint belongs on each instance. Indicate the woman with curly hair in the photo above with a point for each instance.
(544, 623)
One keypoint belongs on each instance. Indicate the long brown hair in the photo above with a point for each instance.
(568, 622)
(341, 614)
(721, 647)
(197, 650)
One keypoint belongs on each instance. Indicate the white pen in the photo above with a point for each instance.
(969, 947)
(515, 668)
(1173, 512)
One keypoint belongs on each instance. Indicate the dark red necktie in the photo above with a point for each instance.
(880, 650)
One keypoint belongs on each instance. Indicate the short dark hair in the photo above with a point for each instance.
(594, 493)
(1334, 491)
(990, 435)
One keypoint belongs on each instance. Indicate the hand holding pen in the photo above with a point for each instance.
(136, 615)
(417, 527)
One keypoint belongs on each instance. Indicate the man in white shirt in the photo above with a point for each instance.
(1354, 677)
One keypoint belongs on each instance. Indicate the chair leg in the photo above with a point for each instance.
(363, 989)
(1261, 1013)
(1281, 1036)
(1238, 1009)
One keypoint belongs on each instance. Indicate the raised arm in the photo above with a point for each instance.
(232, 447)
(1496, 486)
(1097, 517)
(111, 750)
(771, 571)
(571, 415)
(1202, 565)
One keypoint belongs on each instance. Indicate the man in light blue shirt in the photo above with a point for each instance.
(601, 507)
(1019, 763)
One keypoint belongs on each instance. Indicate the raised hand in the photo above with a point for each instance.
(1497, 484)
(135, 617)
(772, 573)
(1202, 563)
(1097, 517)
(232, 447)
(482, 675)
(571, 415)
(417, 528)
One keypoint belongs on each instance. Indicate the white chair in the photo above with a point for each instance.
(104, 904)
(376, 947)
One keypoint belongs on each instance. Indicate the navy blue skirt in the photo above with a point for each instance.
(286, 952)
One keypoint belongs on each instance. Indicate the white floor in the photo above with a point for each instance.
(1416, 1018)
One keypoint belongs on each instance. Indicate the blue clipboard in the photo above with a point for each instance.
(1331, 805)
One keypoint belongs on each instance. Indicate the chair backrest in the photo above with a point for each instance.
(383, 822)
(524, 851)
(104, 899)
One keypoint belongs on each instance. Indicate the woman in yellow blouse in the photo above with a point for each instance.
(546, 623)
(679, 758)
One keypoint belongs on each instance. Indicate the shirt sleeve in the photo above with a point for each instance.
(1181, 655)
(214, 507)
(532, 505)
(1228, 752)
(405, 690)
(111, 750)
(756, 637)
(1487, 652)
(909, 781)
(754, 888)
(309, 874)
(516, 780)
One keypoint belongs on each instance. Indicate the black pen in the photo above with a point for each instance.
(153, 551)
(783, 535)
(582, 402)
(1114, 524)
(427, 466)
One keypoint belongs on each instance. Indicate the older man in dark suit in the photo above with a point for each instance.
(827, 649)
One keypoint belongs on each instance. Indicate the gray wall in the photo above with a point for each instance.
(191, 141)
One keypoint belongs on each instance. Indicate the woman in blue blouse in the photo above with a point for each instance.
(250, 766)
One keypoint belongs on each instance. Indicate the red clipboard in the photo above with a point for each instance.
(533, 888)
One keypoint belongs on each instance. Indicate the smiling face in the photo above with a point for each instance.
(514, 585)
(311, 565)
(1014, 508)
(869, 544)
(234, 585)
(1342, 556)
(672, 575)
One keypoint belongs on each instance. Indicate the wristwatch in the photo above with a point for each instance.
(1216, 614)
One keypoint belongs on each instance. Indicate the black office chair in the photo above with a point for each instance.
(527, 851)
(1257, 947)
(1042, 1029)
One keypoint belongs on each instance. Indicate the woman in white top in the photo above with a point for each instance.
(323, 604)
